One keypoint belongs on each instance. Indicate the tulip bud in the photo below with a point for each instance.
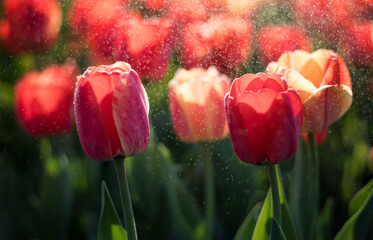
(222, 41)
(323, 83)
(111, 110)
(30, 24)
(197, 106)
(275, 40)
(264, 118)
(44, 101)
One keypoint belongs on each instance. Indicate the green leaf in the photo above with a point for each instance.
(276, 232)
(303, 199)
(109, 226)
(286, 222)
(356, 227)
(247, 227)
(325, 220)
(360, 197)
(263, 225)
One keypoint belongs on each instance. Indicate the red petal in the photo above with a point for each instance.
(239, 135)
(90, 123)
(282, 126)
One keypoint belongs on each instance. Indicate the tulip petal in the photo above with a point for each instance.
(246, 82)
(327, 105)
(180, 119)
(253, 108)
(90, 123)
(130, 113)
(239, 135)
(282, 126)
(296, 81)
(103, 85)
(216, 120)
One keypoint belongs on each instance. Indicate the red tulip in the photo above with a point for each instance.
(103, 31)
(222, 41)
(197, 106)
(275, 40)
(111, 110)
(264, 118)
(30, 24)
(147, 45)
(44, 100)
(357, 44)
(324, 17)
(85, 12)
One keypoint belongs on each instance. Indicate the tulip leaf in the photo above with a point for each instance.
(303, 199)
(360, 197)
(263, 225)
(325, 220)
(286, 222)
(357, 226)
(247, 227)
(109, 227)
(276, 231)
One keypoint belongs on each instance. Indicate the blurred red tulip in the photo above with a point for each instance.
(324, 17)
(357, 45)
(222, 41)
(103, 31)
(323, 82)
(111, 110)
(371, 157)
(44, 101)
(30, 24)
(320, 138)
(147, 45)
(264, 118)
(82, 12)
(275, 40)
(197, 105)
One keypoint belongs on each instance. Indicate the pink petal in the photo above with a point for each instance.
(130, 109)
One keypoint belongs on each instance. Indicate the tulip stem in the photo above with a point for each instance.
(126, 199)
(276, 203)
(314, 174)
(209, 192)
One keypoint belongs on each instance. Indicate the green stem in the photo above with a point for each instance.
(314, 173)
(209, 192)
(126, 199)
(276, 203)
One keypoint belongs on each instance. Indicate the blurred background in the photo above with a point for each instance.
(51, 190)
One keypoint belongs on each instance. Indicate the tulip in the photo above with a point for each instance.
(147, 45)
(264, 118)
(222, 41)
(44, 101)
(324, 17)
(103, 27)
(323, 83)
(275, 40)
(85, 12)
(357, 45)
(196, 104)
(30, 24)
(111, 110)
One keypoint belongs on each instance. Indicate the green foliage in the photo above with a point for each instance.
(109, 227)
